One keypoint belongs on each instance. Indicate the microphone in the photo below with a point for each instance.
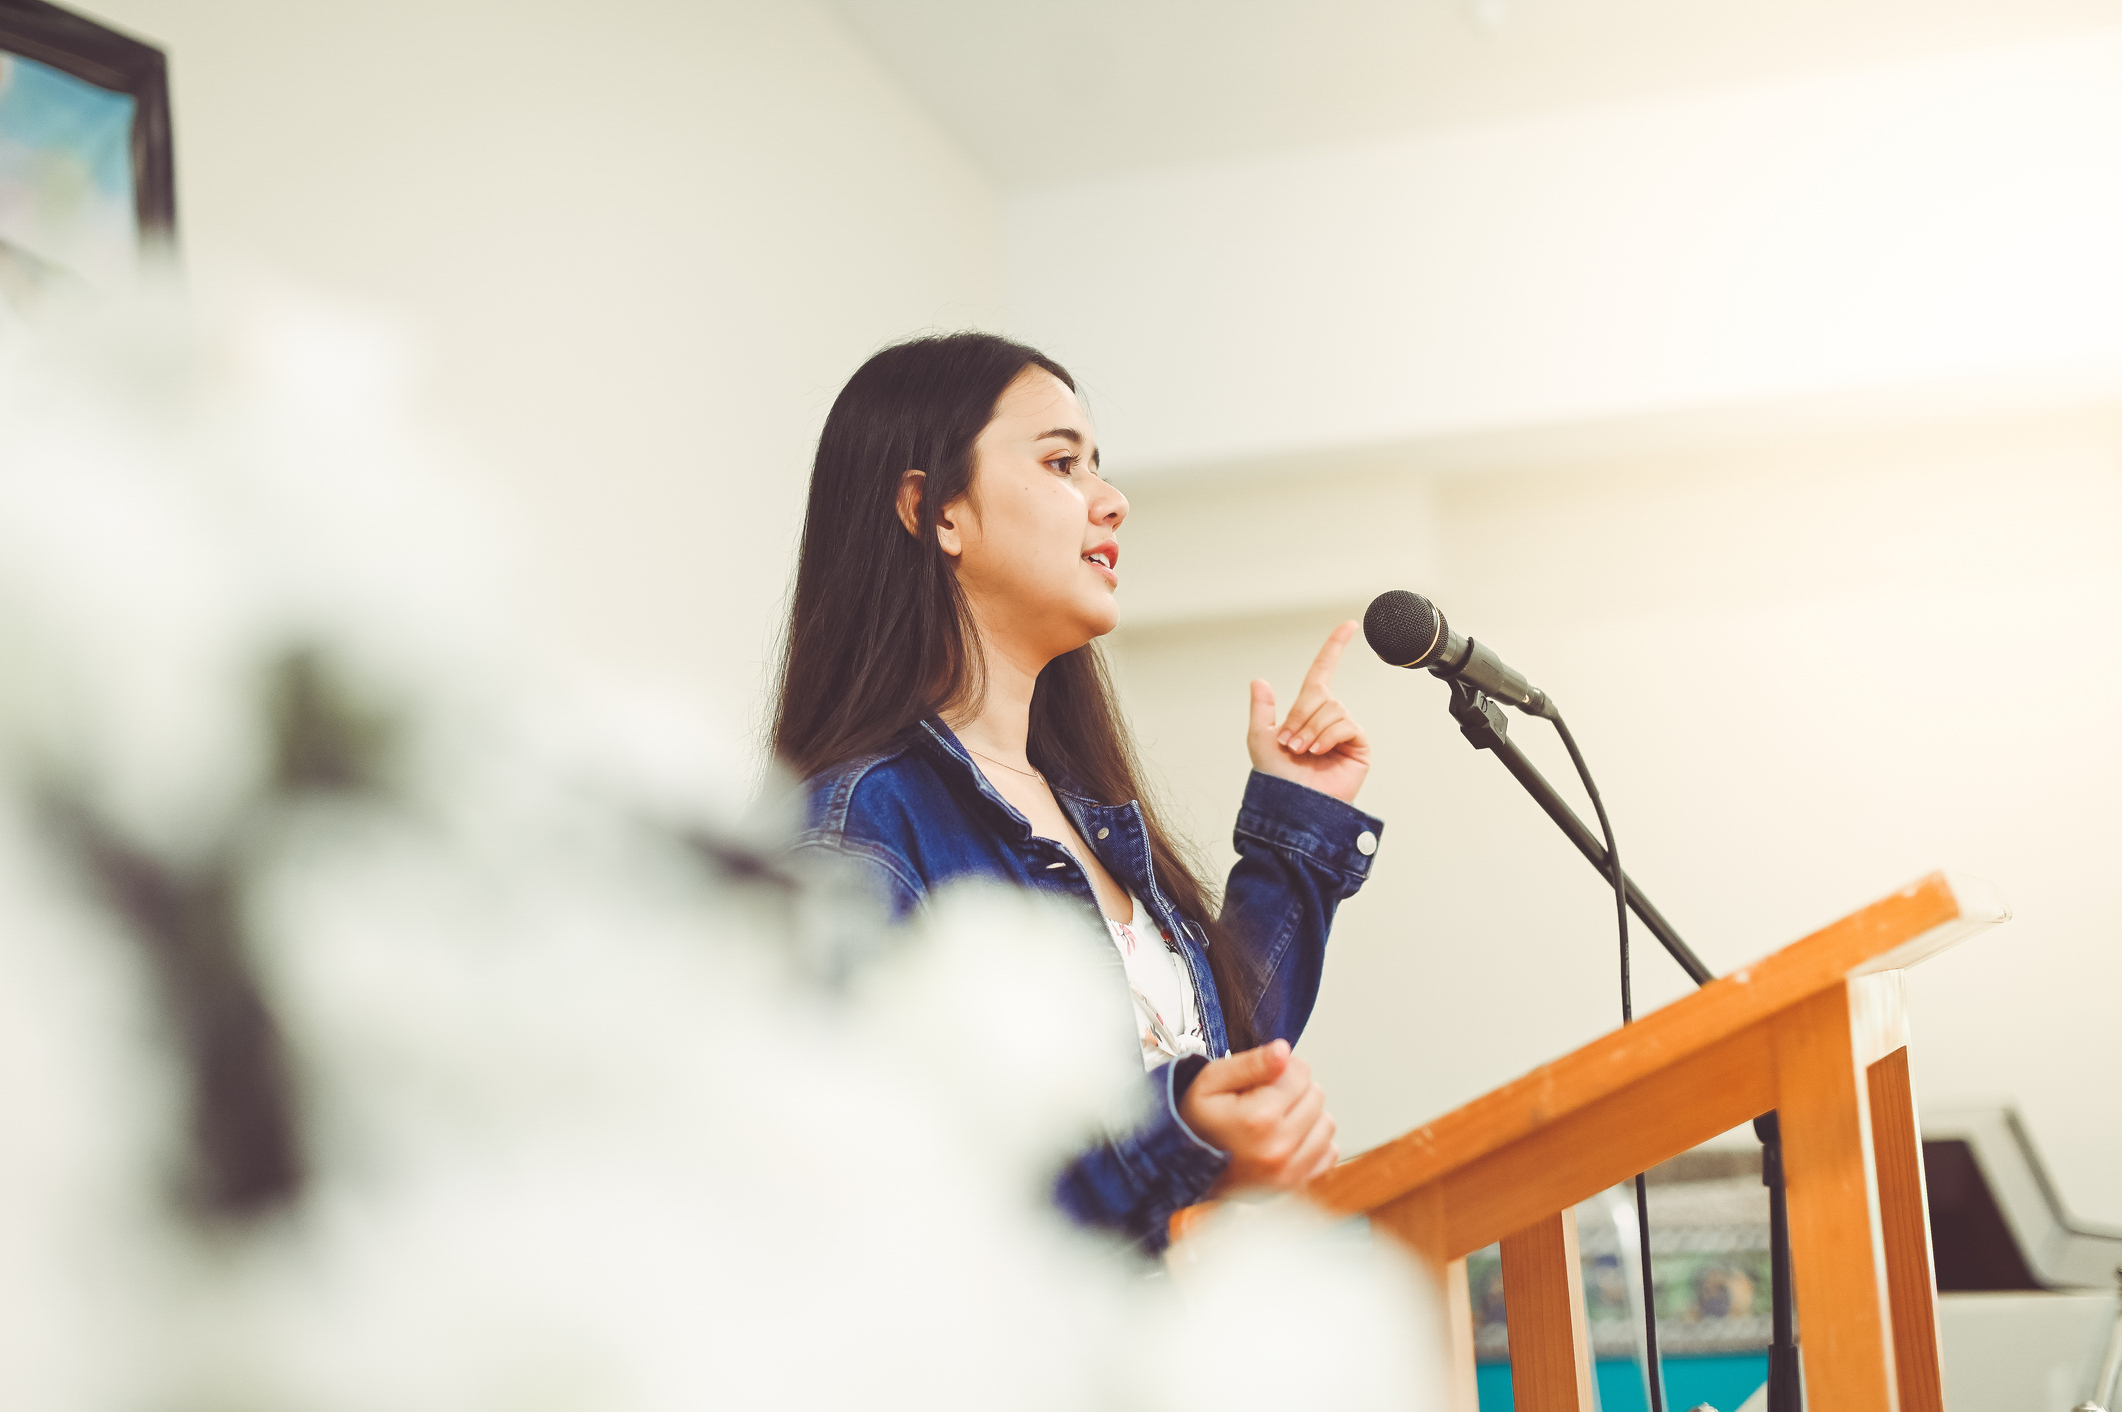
(1407, 630)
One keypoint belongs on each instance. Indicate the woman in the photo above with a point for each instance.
(941, 695)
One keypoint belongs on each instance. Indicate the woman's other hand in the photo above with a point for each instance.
(1262, 1107)
(1318, 744)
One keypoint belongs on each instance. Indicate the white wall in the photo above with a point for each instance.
(1778, 431)
(642, 244)
(1951, 219)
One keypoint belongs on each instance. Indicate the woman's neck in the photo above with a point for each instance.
(1001, 726)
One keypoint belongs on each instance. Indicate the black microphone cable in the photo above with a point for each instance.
(1407, 630)
(1654, 1369)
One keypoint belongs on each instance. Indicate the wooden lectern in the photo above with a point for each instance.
(1818, 1033)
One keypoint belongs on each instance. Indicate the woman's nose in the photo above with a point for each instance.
(1108, 507)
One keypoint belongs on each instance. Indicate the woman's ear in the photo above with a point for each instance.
(912, 486)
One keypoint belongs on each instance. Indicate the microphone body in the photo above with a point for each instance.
(1407, 630)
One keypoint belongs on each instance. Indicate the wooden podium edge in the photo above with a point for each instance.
(1900, 930)
(1928, 916)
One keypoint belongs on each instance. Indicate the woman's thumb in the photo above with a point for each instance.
(1249, 1068)
(1263, 716)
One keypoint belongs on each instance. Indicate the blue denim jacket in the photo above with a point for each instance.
(921, 814)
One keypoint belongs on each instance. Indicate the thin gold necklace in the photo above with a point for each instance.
(1028, 774)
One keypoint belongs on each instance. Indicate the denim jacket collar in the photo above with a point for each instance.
(1117, 833)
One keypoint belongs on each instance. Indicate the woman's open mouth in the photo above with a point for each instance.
(1106, 560)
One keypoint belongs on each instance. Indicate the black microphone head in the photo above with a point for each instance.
(1403, 628)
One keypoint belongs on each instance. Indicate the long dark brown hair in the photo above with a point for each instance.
(880, 635)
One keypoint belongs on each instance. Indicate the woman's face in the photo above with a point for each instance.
(1035, 533)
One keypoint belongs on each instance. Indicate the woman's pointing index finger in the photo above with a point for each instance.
(1322, 668)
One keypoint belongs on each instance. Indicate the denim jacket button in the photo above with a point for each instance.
(1104, 832)
(1366, 843)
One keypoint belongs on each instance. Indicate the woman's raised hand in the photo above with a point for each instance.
(1263, 1108)
(1318, 744)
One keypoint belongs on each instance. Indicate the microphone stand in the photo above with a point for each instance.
(1482, 722)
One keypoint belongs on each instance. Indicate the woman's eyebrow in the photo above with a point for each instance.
(1072, 437)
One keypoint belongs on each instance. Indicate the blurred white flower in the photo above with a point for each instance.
(389, 1020)
(1277, 1309)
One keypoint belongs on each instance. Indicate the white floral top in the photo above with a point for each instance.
(1165, 1014)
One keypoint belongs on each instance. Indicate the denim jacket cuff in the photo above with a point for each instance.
(1284, 814)
(1178, 1078)
(1165, 1142)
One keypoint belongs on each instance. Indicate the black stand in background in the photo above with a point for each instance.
(1783, 1340)
(1482, 722)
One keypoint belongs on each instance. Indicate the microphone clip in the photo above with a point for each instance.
(1480, 719)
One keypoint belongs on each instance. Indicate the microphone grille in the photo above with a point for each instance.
(1403, 628)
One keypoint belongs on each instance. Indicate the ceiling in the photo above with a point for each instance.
(1039, 91)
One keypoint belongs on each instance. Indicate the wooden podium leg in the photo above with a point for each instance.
(1416, 1221)
(1838, 1260)
(1543, 1302)
(1459, 1316)
(1911, 1281)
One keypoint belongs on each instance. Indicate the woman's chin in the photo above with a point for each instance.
(1087, 631)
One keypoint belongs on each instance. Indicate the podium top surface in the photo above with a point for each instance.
(1896, 932)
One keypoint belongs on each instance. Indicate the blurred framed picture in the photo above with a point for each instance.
(87, 183)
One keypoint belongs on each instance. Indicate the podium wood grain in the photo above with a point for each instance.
(1543, 1304)
(1837, 1259)
(1911, 1277)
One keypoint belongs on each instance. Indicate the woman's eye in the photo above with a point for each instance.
(1064, 464)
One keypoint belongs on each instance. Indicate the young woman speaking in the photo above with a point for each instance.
(942, 697)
